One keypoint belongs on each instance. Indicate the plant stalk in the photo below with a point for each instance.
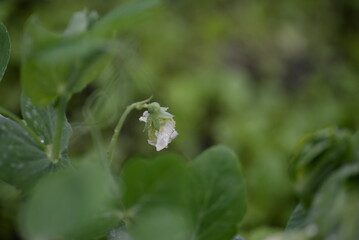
(59, 125)
(137, 105)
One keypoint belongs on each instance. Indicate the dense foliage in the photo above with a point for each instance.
(253, 75)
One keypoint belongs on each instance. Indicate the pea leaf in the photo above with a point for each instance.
(4, 49)
(123, 17)
(161, 224)
(217, 194)
(22, 161)
(297, 220)
(54, 64)
(335, 205)
(319, 156)
(153, 182)
(70, 204)
(42, 121)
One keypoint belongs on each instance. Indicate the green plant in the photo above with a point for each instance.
(326, 170)
(159, 198)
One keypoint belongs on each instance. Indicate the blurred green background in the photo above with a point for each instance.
(253, 75)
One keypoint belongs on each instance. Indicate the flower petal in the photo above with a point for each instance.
(166, 134)
(162, 133)
(144, 117)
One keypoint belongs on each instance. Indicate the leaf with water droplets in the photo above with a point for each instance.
(4, 49)
(42, 121)
(22, 160)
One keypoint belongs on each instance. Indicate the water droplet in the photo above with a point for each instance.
(42, 140)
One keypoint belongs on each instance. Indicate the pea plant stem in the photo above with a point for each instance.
(59, 125)
(137, 105)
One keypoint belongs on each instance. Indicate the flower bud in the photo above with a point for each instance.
(160, 126)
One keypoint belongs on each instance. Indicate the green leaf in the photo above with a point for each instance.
(42, 121)
(297, 220)
(154, 198)
(22, 161)
(319, 156)
(218, 195)
(60, 64)
(335, 207)
(160, 224)
(90, 68)
(70, 204)
(4, 49)
(153, 182)
(54, 63)
(123, 17)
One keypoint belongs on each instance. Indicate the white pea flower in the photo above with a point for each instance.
(160, 126)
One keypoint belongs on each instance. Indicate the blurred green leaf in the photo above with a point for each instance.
(335, 208)
(91, 68)
(153, 182)
(123, 17)
(297, 220)
(42, 121)
(4, 49)
(318, 156)
(22, 161)
(53, 64)
(160, 224)
(70, 204)
(217, 198)
(58, 64)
